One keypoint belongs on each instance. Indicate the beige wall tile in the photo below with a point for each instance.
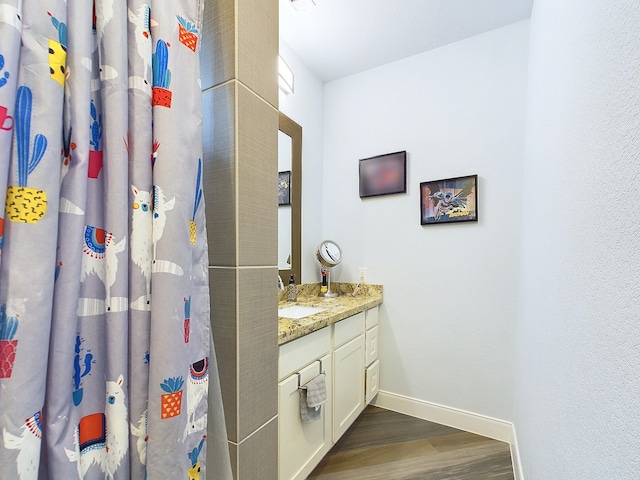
(258, 455)
(257, 180)
(224, 309)
(218, 462)
(257, 348)
(218, 57)
(233, 454)
(219, 173)
(258, 47)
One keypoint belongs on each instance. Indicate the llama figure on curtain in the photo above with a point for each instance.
(142, 20)
(107, 72)
(197, 388)
(140, 432)
(141, 241)
(103, 438)
(104, 15)
(101, 259)
(28, 446)
(160, 208)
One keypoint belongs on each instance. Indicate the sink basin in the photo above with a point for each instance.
(298, 311)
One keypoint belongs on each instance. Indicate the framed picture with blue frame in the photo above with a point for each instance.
(452, 200)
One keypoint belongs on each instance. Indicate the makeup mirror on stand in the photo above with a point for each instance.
(329, 255)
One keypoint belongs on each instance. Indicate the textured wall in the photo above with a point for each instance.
(450, 307)
(577, 393)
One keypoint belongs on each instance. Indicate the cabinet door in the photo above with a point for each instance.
(348, 385)
(301, 446)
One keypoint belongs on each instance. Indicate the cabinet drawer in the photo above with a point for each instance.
(371, 349)
(348, 329)
(372, 381)
(372, 317)
(301, 352)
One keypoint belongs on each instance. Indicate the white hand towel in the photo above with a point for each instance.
(312, 396)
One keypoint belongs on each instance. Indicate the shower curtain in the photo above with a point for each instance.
(104, 306)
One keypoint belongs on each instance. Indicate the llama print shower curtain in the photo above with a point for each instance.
(104, 306)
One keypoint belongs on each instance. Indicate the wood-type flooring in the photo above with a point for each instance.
(385, 445)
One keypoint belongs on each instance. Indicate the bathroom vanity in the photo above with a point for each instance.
(337, 337)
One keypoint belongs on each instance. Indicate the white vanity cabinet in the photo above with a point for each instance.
(347, 352)
(301, 446)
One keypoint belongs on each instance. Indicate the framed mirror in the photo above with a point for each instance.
(289, 199)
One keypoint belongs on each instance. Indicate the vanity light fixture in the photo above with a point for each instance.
(285, 76)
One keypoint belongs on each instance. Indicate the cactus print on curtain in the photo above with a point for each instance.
(104, 306)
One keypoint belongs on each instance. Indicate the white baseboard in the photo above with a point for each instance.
(453, 417)
(518, 474)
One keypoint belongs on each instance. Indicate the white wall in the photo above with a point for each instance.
(577, 385)
(450, 291)
(305, 107)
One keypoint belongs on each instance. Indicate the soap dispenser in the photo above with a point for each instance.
(292, 290)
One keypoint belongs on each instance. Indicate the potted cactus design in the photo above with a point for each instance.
(25, 204)
(8, 346)
(6, 120)
(161, 75)
(196, 204)
(95, 154)
(80, 371)
(194, 470)
(5, 76)
(187, 318)
(171, 401)
(188, 33)
(58, 51)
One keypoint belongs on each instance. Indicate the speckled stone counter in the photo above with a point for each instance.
(344, 305)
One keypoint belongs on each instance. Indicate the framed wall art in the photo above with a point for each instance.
(284, 188)
(450, 200)
(383, 174)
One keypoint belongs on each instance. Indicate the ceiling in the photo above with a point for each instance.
(336, 38)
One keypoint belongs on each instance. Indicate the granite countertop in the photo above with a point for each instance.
(335, 309)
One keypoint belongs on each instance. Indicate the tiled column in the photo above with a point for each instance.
(240, 100)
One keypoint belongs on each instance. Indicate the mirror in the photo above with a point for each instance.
(329, 254)
(284, 201)
(289, 198)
